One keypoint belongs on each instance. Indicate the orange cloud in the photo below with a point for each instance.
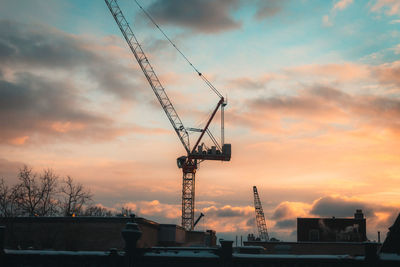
(253, 83)
(229, 218)
(63, 127)
(281, 223)
(392, 7)
(156, 209)
(19, 140)
(290, 210)
(342, 4)
(389, 73)
(338, 74)
(346, 72)
(319, 109)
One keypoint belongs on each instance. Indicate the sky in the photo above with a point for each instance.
(313, 113)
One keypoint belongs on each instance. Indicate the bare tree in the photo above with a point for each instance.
(97, 210)
(28, 192)
(8, 200)
(36, 196)
(74, 197)
(42, 195)
(126, 211)
(49, 188)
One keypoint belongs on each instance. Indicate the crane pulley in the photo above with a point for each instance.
(194, 154)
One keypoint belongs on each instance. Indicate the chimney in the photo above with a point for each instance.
(359, 215)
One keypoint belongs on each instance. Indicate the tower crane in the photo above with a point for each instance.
(199, 151)
(260, 218)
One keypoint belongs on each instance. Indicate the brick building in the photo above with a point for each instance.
(332, 229)
(95, 233)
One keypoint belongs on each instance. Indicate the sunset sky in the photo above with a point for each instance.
(313, 111)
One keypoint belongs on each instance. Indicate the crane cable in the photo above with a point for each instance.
(180, 52)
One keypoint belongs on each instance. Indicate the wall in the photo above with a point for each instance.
(331, 229)
(195, 237)
(93, 233)
(74, 233)
(171, 235)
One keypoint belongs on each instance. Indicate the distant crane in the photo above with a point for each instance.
(199, 152)
(260, 218)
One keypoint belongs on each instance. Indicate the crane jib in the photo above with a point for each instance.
(149, 73)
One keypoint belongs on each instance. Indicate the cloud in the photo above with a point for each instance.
(345, 72)
(340, 207)
(40, 46)
(230, 220)
(342, 4)
(205, 16)
(318, 108)
(391, 7)
(379, 217)
(155, 209)
(222, 219)
(327, 20)
(266, 9)
(286, 224)
(396, 49)
(9, 170)
(247, 83)
(32, 107)
(29, 48)
(228, 211)
(389, 73)
(290, 210)
(299, 105)
(47, 81)
(251, 222)
(311, 104)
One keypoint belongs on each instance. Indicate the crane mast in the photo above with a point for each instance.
(260, 218)
(199, 152)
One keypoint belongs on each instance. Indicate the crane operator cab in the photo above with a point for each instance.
(208, 154)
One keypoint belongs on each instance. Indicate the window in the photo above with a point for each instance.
(313, 235)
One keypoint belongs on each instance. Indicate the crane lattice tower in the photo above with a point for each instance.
(260, 218)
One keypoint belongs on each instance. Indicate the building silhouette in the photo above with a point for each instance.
(332, 229)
